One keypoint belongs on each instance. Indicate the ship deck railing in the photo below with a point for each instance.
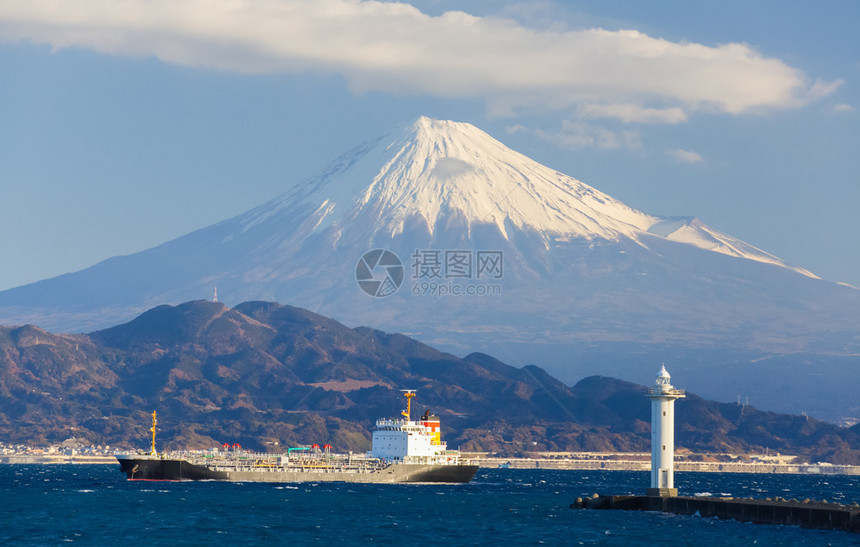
(322, 461)
(301, 461)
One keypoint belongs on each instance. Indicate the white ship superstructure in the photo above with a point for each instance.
(410, 441)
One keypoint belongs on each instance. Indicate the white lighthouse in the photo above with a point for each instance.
(663, 396)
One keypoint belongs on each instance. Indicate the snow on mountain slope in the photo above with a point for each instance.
(693, 232)
(435, 170)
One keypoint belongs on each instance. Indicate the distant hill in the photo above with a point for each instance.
(267, 376)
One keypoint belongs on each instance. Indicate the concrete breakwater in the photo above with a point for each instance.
(807, 513)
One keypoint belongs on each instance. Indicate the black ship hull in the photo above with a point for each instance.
(167, 469)
(444, 473)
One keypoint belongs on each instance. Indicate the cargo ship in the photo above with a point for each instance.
(402, 451)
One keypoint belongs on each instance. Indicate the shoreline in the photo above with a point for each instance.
(680, 466)
(18, 459)
(595, 463)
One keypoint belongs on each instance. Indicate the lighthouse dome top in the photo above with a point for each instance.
(663, 377)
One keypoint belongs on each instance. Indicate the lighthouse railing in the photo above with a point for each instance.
(661, 390)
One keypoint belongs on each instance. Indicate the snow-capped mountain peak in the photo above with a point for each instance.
(437, 172)
(439, 168)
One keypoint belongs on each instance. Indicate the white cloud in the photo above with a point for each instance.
(577, 136)
(842, 107)
(821, 88)
(394, 47)
(632, 113)
(686, 156)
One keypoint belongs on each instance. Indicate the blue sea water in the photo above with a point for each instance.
(95, 505)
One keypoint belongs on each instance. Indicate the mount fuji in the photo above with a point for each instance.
(441, 232)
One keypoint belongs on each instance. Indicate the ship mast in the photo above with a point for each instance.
(408, 393)
(154, 421)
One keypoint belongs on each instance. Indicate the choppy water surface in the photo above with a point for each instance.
(95, 505)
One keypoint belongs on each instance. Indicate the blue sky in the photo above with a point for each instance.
(125, 123)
